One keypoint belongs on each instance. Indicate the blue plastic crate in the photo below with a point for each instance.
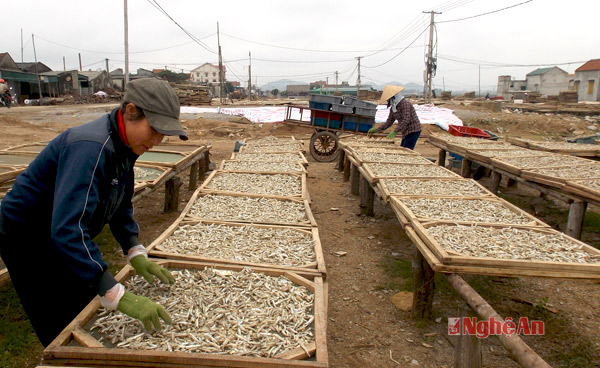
(326, 99)
(334, 124)
(319, 105)
(350, 122)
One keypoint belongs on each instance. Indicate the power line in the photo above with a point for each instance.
(502, 65)
(398, 54)
(482, 14)
(157, 6)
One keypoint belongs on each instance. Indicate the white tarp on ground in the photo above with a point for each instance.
(428, 114)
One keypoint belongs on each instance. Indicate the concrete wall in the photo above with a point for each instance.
(508, 86)
(584, 79)
(549, 83)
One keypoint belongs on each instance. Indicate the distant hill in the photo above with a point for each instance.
(279, 84)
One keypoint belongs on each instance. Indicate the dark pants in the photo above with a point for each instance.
(410, 140)
(50, 293)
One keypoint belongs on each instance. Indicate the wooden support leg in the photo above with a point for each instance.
(465, 170)
(172, 194)
(511, 183)
(495, 182)
(206, 161)
(367, 197)
(575, 220)
(201, 170)
(347, 165)
(354, 180)
(467, 351)
(194, 175)
(441, 158)
(341, 160)
(423, 287)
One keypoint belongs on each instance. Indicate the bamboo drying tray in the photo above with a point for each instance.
(518, 142)
(447, 187)
(172, 159)
(27, 149)
(262, 166)
(363, 157)
(9, 172)
(242, 214)
(76, 345)
(464, 148)
(275, 148)
(587, 188)
(273, 157)
(516, 165)
(487, 155)
(525, 218)
(488, 270)
(576, 149)
(314, 267)
(420, 171)
(161, 173)
(559, 176)
(253, 179)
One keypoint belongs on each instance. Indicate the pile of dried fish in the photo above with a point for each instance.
(544, 161)
(274, 148)
(435, 187)
(270, 139)
(281, 246)
(259, 166)
(383, 149)
(459, 140)
(417, 171)
(273, 157)
(503, 152)
(575, 172)
(566, 146)
(590, 183)
(382, 157)
(221, 312)
(145, 173)
(511, 243)
(233, 208)
(269, 184)
(468, 210)
(481, 145)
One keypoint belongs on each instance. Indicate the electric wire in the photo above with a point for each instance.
(398, 54)
(482, 14)
(121, 52)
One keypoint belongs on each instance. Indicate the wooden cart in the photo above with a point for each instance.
(324, 142)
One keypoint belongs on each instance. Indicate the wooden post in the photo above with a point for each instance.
(194, 175)
(423, 286)
(465, 170)
(511, 183)
(495, 182)
(354, 180)
(201, 170)
(467, 351)
(442, 158)
(206, 161)
(172, 194)
(341, 160)
(575, 219)
(516, 347)
(347, 165)
(367, 197)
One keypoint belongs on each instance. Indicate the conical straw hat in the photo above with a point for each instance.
(389, 92)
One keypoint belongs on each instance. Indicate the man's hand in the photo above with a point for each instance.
(372, 131)
(146, 269)
(145, 310)
(391, 135)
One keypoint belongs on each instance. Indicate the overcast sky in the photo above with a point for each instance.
(310, 40)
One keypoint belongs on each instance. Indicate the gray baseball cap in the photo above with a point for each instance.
(159, 102)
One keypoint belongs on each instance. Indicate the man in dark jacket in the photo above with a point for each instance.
(81, 181)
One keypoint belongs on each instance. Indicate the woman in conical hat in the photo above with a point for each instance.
(403, 111)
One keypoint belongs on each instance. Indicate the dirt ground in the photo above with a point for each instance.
(364, 328)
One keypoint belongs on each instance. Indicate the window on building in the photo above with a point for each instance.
(576, 85)
(214, 80)
(198, 75)
(214, 74)
(590, 90)
(206, 74)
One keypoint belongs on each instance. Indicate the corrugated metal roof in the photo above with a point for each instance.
(593, 64)
(539, 71)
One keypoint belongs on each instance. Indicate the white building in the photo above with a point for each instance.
(207, 73)
(547, 81)
(587, 78)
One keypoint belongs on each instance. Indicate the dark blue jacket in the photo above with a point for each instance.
(81, 181)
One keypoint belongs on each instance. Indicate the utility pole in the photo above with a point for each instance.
(21, 44)
(326, 85)
(221, 97)
(80, 67)
(336, 82)
(37, 72)
(108, 73)
(64, 64)
(358, 79)
(430, 63)
(249, 75)
(126, 76)
(479, 80)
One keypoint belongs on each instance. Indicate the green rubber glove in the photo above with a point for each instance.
(146, 269)
(144, 309)
(372, 131)
(391, 135)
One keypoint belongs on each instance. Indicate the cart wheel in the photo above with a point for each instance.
(324, 146)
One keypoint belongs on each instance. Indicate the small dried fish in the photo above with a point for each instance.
(259, 166)
(273, 157)
(266, 184)
(435, 187)
(407, 170)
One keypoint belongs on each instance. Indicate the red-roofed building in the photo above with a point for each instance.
(587, 78)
